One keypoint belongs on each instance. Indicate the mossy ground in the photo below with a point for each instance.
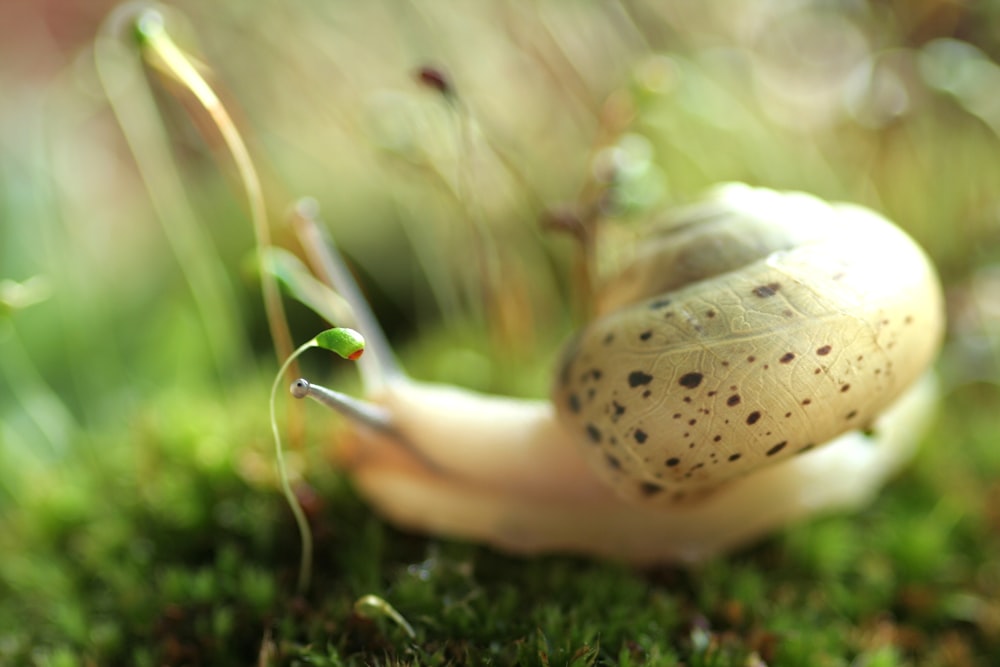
(174, 547)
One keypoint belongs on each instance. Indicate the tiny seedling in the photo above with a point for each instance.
(365, 605)
(349, 344)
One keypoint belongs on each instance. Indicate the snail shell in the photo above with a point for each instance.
(753, 328)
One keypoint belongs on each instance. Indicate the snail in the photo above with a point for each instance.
(765, 357)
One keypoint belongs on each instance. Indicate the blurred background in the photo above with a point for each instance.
(128, 291)
(126, 226)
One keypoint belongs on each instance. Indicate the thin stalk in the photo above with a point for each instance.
(349, 344)
(305, 533)
(135, 109)
(379, 365)
(155, 39)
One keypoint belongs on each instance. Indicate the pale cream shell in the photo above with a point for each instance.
(682, 391)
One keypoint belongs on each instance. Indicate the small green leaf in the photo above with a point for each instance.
(348, 343)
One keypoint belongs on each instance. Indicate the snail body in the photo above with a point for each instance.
(764, 357)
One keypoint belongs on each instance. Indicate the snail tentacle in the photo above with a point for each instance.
(378, 366)
(361, 412)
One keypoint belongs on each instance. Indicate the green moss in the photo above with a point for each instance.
(180, 551)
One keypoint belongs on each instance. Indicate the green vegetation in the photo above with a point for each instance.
(141, 518)
(175, 547)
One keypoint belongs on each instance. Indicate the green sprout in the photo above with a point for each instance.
(350, 345)
(366, 604)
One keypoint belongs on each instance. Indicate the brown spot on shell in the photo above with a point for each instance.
(787, 357)
(593, 433)
(638, 378)
(846, 387)
(753, 417)
(640, 436)
(673, 461)
(823, 351)
(647, 489)
(574, 403)
(733, 400)
(646, 335)
(764, 291)
(734, 457)
(777, 448)
(613, 462)
(691, 380)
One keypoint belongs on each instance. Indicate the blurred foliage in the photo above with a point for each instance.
(132, 342)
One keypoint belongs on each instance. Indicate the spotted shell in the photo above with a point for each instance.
(751, 329)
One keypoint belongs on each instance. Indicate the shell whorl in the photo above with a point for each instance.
(758, 326)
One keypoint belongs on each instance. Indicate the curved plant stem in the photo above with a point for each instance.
(305, 533)
(154, 39)
(135, 109)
